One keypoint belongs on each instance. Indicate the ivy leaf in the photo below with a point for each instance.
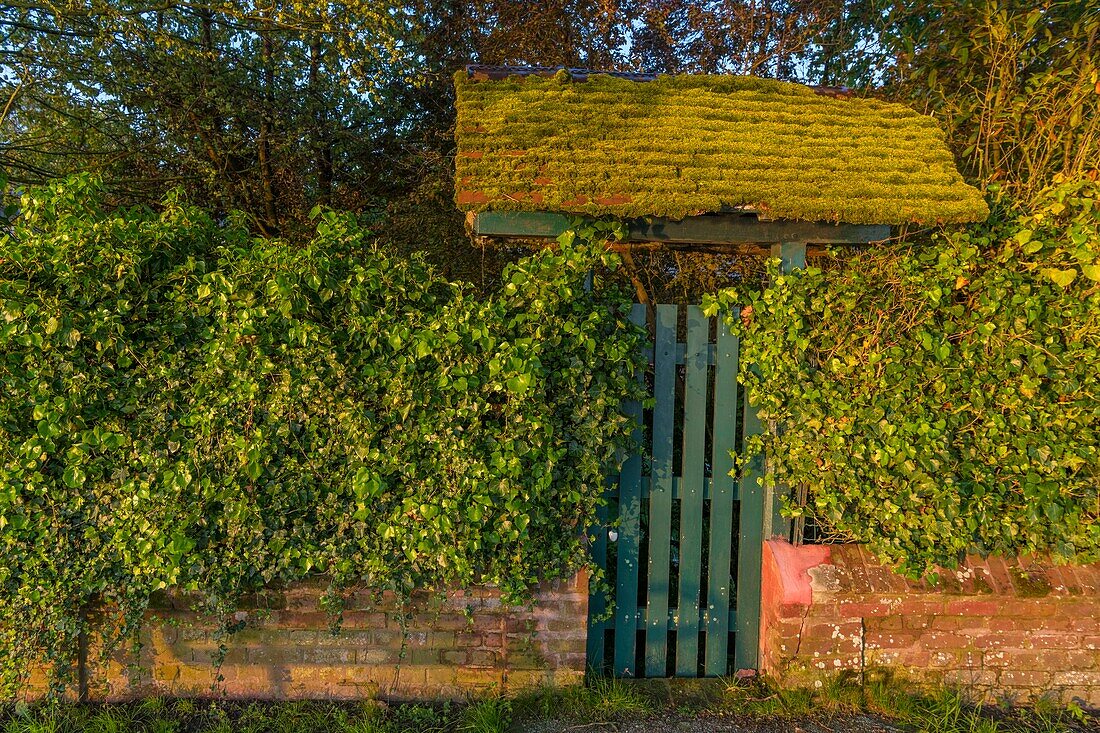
(1061, 277)
(74, 477)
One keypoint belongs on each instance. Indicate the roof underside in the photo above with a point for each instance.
(676, 146)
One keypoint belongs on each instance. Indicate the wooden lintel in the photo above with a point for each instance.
(706, 229)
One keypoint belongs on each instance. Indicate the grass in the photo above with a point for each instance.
(754, 705)
(942, 710)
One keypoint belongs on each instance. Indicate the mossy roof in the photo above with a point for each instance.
(684, 145)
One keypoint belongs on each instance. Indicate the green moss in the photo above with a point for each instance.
(684, 145)
(1029, 585)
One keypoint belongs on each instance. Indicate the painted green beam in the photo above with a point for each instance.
(706, 229)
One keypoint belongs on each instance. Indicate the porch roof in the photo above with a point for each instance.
(635, 145)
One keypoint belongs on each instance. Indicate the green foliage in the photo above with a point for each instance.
(602, 699)
(267, 108)
(492, 715)
(678, 146)
(1016, 84)
(940, 399)
(157, 715)
(882, 703)
(185, 406)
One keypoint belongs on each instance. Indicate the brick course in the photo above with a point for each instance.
(1016, 628)
(465, 643)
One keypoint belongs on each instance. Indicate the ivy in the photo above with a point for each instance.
(942, 398)
(183, 406)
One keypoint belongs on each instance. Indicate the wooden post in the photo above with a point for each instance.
(759, 515)
(792, 257)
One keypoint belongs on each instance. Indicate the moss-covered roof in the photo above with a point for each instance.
(684, 145)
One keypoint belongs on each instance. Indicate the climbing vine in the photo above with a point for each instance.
(184, 406)
(940, 398)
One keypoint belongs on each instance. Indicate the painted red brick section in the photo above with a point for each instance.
(465, 643)
(998, 628)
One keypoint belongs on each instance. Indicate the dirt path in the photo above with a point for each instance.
(718, 724)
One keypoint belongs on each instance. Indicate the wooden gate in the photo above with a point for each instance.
(681, 539)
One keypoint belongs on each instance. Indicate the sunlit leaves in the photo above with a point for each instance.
(237, 411)
(944, 397)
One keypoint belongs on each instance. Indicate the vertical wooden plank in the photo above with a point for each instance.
(691, 497)
(597, 601)
(660, 494)
(721, 502)
(750, 551)
(630, 513)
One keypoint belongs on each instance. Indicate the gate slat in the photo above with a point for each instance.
(660, 495)
(597, 600)
(721, 502)
(750, 551)
(630, 512)
(691, 502)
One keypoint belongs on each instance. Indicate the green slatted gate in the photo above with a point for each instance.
(681, 539)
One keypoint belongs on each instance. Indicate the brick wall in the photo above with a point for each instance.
(1000, 629)
(445, 648)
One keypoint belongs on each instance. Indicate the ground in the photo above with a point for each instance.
(712, 706)
(710, 723)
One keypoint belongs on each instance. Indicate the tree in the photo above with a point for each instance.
(268, 109)
(1016, 84)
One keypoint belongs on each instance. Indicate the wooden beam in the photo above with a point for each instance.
(706, 229)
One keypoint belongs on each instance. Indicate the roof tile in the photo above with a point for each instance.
(681, 145)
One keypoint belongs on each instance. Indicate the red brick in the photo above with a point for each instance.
(972, 608)
(471, 197)
(1003, 624)
(890, 639)
(970, 677)
(1037, 679)
(921, 606)
(365, 620)
(1022, 608)
(937, 640)
(862, 608)
(1076, 678)
(999, 576)
(790, 610)
(941, 622)
(1088, 579)
(1087, 625)
(1005, 640)
(1062, 659)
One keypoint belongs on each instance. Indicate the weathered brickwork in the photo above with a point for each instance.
(439, 648)
(999, 629)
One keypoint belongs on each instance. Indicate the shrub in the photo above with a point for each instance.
(187, 407)
(942, 398)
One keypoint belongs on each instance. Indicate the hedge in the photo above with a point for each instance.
(942, 398)
(185, 406)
